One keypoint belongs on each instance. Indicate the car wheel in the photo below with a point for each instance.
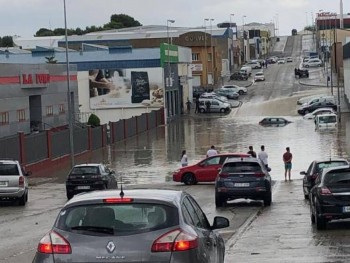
(202, 110)
(268, 199)
(222, 110)
(189, 179)
(320, 221)
(240, 92)
(23, 199)
(312, 214)
(219, 200)
(306, 66)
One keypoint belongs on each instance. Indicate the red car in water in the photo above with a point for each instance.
(205, 170)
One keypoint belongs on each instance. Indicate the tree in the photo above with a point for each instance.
(125, 20)
(310, 28)
(94, 120)
(51, 60)
(44, 32)
(7, 41)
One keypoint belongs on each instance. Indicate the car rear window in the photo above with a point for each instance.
(85, 170)
(8, 169)
(117, 219)
(337, 178)
(329, 164)
(241, 167)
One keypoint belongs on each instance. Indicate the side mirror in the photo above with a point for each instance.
(302, 173)
(219, 169)
(220, 222)
(111, 172)
(268, 169)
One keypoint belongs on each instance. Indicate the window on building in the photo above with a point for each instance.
(21, 115)
(49, 110)
(4, 118)
(209, 56)
(61, 109)
(195, 57)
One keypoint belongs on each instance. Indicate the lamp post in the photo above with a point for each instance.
(232, 56)
(244, 48)
(205, 59)
(69, 100)
(169, 82)
(212, 52)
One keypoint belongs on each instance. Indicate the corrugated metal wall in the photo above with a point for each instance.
(9, 148)
(81, 140)
(60, 143)
(35, 146)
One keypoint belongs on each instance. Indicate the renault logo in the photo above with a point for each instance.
(110, 247)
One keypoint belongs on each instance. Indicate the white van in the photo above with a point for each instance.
(330, 99)
(215, 105)
(246, 70)
(326, 121)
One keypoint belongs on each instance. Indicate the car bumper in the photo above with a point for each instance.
(15, 194)
(240, 192)
(177, 177)
(79, 188)
(334, 212)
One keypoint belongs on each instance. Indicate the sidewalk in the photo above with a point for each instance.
(281, 233)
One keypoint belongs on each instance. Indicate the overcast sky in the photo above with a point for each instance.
(25, 17)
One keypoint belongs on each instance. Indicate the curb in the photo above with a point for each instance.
(240, 231)
(312, 85)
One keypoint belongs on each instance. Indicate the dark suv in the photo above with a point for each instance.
(243, 178)
(323, 104)
(89, 177)
(238, 76)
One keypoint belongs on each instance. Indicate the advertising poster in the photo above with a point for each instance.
(125, 88)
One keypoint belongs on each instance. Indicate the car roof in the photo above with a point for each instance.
(5, 161)
(326, 115)
(162, 195)
(326, 108)
(87, 164)
(335, 159)
(242, 159)
(343, 168)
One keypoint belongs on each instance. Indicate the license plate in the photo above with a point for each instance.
(83, 187)
(346, 209)
(3, 183)
(241, 184)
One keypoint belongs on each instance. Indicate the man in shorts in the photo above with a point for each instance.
(287, 159)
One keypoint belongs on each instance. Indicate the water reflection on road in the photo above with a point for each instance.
(153, 156)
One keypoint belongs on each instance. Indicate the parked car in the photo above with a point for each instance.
(238, 76)
(259, 76)
(246, 69)
(313, 62)
(272, 60)
(216, 105)
(301, 73)
(244, 177)
(198, 91)
(281, 61)
(13, 182)
(330, 197)
(228, 93)
(326, 121)
(306, 99)
(144, 225)
(271, 121)
(327, 98)
(213, 95)
(289, 59)
(89, 177)
(315, 169)
(204, 171)
(238, 89)
(319, 111)
(254, 64)
(311, 107)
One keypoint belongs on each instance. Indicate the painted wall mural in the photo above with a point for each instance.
(119, 88)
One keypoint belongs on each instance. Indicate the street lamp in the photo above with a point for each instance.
(205, 59)
(211, 50)
(232, 56)
(244, 48)
(69, 100)
(169, 69)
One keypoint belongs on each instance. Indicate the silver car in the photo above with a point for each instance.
(142, 225)
(13, 182)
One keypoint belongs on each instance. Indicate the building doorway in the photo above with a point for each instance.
(35, 111)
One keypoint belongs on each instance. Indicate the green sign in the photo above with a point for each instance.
(168, 53)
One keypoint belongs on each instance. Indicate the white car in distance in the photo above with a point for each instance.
(319, 111)
(259, 76)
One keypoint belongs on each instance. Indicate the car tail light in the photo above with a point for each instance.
(21, 181)
(325, 191)
(176, 240)
(118, 200)
(224, 175)
(259, 174)
(54, 243)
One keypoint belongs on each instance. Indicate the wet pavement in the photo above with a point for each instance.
(284, 233)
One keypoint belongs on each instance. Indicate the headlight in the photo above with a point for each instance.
(177, 171)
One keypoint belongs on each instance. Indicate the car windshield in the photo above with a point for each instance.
(329, 164)
(241, 167)
(335, 178)
(259, 74)
(85, 170)
(8, 169)
(327, 119)
(117, 219)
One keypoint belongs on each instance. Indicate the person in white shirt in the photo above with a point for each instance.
(184, 160)
(212, 151)
(263, 156)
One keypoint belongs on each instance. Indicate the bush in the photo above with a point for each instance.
(94, 120)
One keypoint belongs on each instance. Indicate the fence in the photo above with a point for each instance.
(40, 150)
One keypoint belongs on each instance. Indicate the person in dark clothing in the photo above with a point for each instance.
(197, 110)
(188, 105)
(252, 152)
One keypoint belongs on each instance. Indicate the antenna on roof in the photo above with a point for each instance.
(121, 187)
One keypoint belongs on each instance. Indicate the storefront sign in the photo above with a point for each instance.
(30, 79)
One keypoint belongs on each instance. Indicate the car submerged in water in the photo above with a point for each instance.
(274, 121)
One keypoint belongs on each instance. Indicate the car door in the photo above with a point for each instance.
(209, 169)
(215, 106)
(307, 178)
(207, 241)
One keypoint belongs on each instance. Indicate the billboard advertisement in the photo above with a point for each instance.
(121, 88)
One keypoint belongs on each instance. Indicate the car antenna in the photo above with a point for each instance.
(121, 188)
